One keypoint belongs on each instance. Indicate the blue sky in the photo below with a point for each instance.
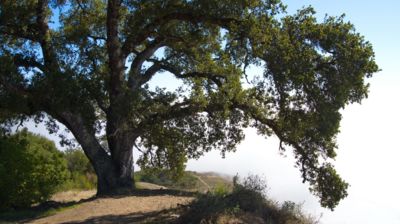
(368, 143)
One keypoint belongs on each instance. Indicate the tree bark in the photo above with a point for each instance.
(114, 173)
(120, 143)
(112, 180)
(115, 176)
(123, 164)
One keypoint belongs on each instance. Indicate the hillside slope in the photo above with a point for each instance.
(190, 180)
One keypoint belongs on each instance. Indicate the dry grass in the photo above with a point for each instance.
(150, 186)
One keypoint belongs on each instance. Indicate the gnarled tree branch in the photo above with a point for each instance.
(28, 62)
(135, 78)
(163, 66)
(49, 55)
(84, 135)
(138, 37)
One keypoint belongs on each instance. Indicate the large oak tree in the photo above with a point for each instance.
(87, 65)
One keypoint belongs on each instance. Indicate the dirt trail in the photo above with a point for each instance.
(203, 182)
(126, 209)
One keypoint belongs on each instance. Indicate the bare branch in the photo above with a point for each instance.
(137, 37)
(134, 73)
(84, 135)
(45, 39)
(175, 111)
(150, 72)
(102, 105)
(96, 38)
(27, 62)
(158, 66)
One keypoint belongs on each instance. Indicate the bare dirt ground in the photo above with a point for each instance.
(156, 206)
(68, 196)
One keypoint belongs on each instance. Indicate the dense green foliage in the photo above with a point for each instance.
(90, 70)
(31, 169)
(82, 175)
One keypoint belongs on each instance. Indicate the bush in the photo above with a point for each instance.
(77, 161)
(31, 169)
(246, 203)
(246, 196)
(82, 175)
(78, 181)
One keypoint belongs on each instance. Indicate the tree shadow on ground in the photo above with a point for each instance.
(51, 207)
(38, 211)
(153, 192)
(164, 216)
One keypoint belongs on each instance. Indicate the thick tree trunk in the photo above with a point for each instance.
(114, 172)
(120, 144)
(114, 175)
(111, 179)
(124, 167)
(120, 141)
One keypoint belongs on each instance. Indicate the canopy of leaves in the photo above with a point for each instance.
(31, 169)
(94, 59)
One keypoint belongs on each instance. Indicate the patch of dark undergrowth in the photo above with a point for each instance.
(245, 203)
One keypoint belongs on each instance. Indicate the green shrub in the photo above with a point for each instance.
(82, 175)
(221, 189)
(77, 161)
(79, 181)
(31, 169)
(246, 196)
(246, 203)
